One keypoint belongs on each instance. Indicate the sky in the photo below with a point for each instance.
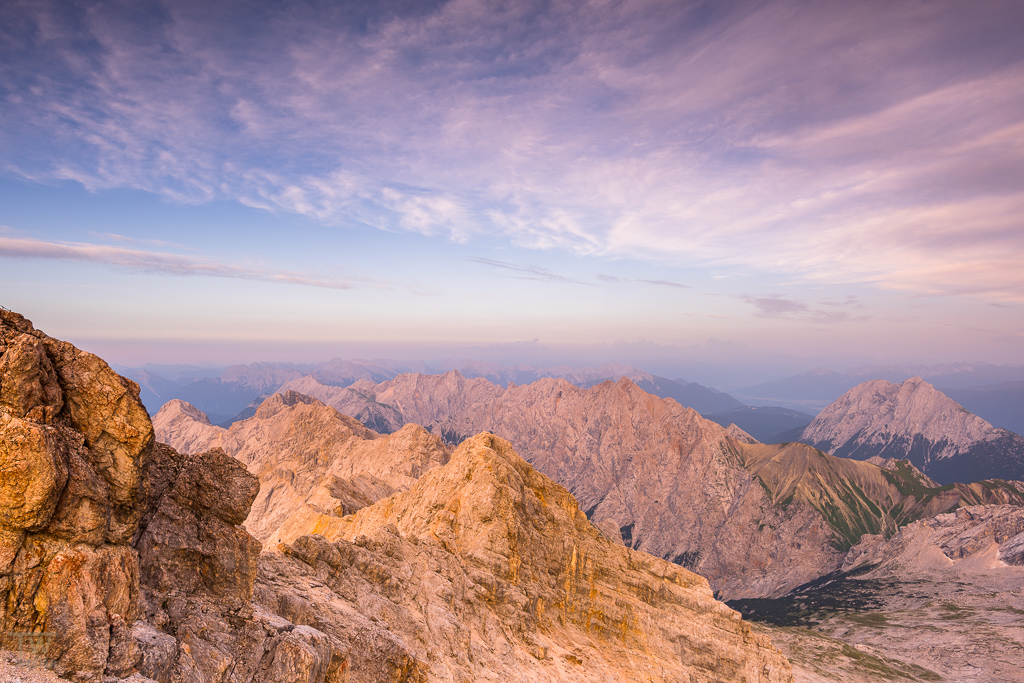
(762, 184)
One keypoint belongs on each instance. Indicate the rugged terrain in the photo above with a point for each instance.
(134, 558)
(489, 571)
(306, 453)
(940, 600)
(656, 474)
(915, 421)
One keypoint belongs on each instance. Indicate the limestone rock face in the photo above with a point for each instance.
(191, 542)
(486, 570)
(197, 569)
(73, 440)
(309, 457)
(915, 421)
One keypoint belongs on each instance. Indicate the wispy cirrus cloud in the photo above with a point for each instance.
(526, 272)
(661, 283)
(831, 142)
(164, 263)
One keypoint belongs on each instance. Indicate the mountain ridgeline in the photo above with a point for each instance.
(756, 520)
(227, 395)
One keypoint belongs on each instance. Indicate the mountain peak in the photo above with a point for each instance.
(285, 399)
(500, 538)
(915, 420)
(178, 407)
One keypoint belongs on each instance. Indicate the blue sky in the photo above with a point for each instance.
(828, 182)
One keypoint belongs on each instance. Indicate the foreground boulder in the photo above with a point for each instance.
(73, 440)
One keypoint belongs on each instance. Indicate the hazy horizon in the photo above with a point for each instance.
(714, 189)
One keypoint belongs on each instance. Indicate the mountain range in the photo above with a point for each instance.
(648, 471)
(301, 545)
(230, 394)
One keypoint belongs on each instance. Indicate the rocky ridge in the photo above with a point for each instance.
(306, 454)
(915, 421)
(488, 570)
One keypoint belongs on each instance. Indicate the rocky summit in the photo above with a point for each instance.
(916, 422)
(486, 570)
(134, 559)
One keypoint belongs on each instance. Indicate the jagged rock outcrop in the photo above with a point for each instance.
(486, 570)
(755, 520)
(73, 439)
(915, 421)
(307, 455)
(198, 567)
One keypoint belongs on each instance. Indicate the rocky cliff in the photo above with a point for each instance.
(73, 440)
(915, 421)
